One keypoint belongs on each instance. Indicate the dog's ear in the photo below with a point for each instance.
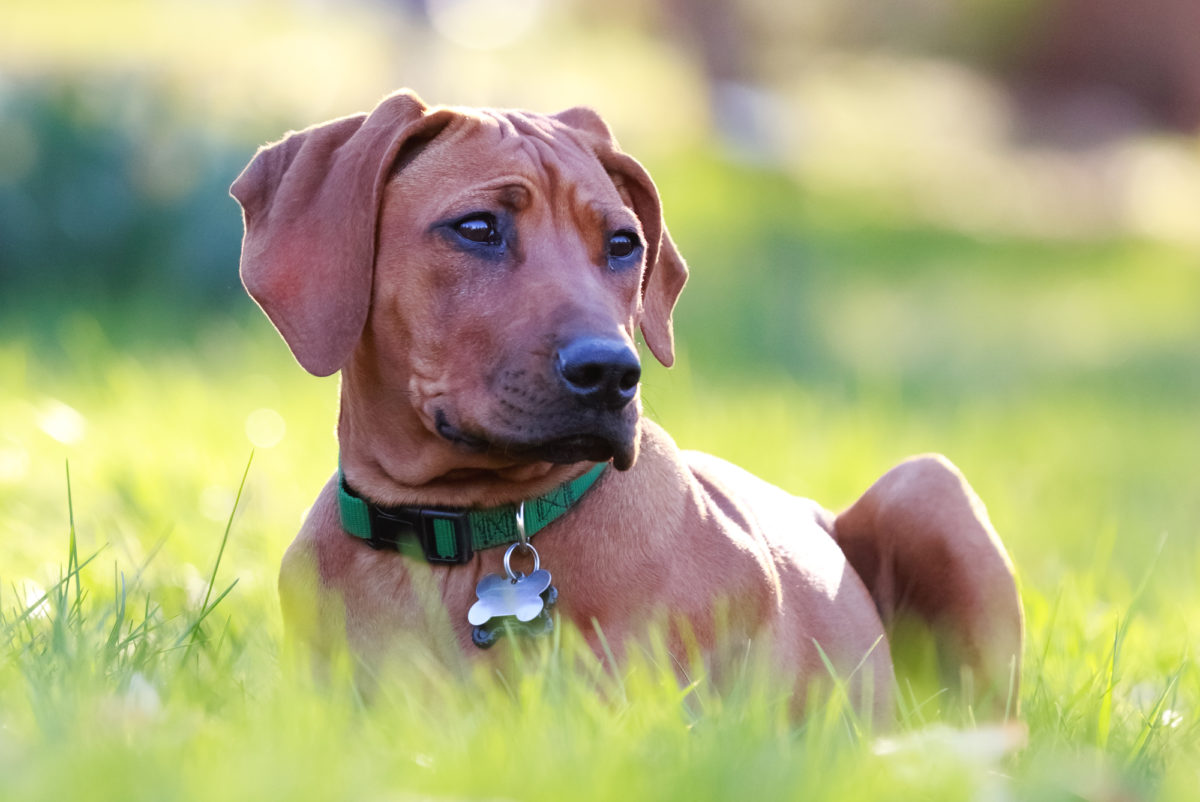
(660, 290)
(311, 204)
(666, 272)
(583, 118)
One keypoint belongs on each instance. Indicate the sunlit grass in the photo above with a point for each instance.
(103, 688)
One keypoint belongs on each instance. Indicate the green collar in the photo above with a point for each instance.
(453, 535)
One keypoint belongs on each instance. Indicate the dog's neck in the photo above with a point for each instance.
(392, 457)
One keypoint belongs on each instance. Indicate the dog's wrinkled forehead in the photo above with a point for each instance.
(516, 159)
(485, 140)
(537, 134)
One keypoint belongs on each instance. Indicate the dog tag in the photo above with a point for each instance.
(543, 624)
(513, 602)
(518, 596)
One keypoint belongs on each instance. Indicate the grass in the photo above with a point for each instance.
(140, 647)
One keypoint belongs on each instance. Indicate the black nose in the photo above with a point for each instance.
(600, 372)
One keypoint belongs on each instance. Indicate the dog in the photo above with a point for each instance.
(479, 277)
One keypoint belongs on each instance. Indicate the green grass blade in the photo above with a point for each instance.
(205, 606)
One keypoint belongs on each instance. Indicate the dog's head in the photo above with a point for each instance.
(485, 269)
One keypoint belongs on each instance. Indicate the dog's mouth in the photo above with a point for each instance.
(611, 442)
(577, 448)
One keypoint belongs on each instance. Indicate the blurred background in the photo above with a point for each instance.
(960, 225)
(123, 122)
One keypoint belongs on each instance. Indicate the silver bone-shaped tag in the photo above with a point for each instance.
(500, 599)
(514, 595)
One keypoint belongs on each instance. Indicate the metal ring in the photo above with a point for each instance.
(537, 563)
(522, 538)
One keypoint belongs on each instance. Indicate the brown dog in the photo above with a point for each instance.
(478, 276)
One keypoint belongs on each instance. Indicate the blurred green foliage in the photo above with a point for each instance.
(108, 193)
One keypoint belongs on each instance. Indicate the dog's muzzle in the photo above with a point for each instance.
(580, 409)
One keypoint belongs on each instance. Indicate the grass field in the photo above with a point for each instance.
(140, 646)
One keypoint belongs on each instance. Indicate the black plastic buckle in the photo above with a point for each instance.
(388, 526)
(462, 536)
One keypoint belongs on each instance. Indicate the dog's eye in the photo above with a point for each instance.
(479, 228)
(623, 244)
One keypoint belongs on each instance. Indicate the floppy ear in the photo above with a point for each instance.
(311, 204)
(660, 291)
(666, 272)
